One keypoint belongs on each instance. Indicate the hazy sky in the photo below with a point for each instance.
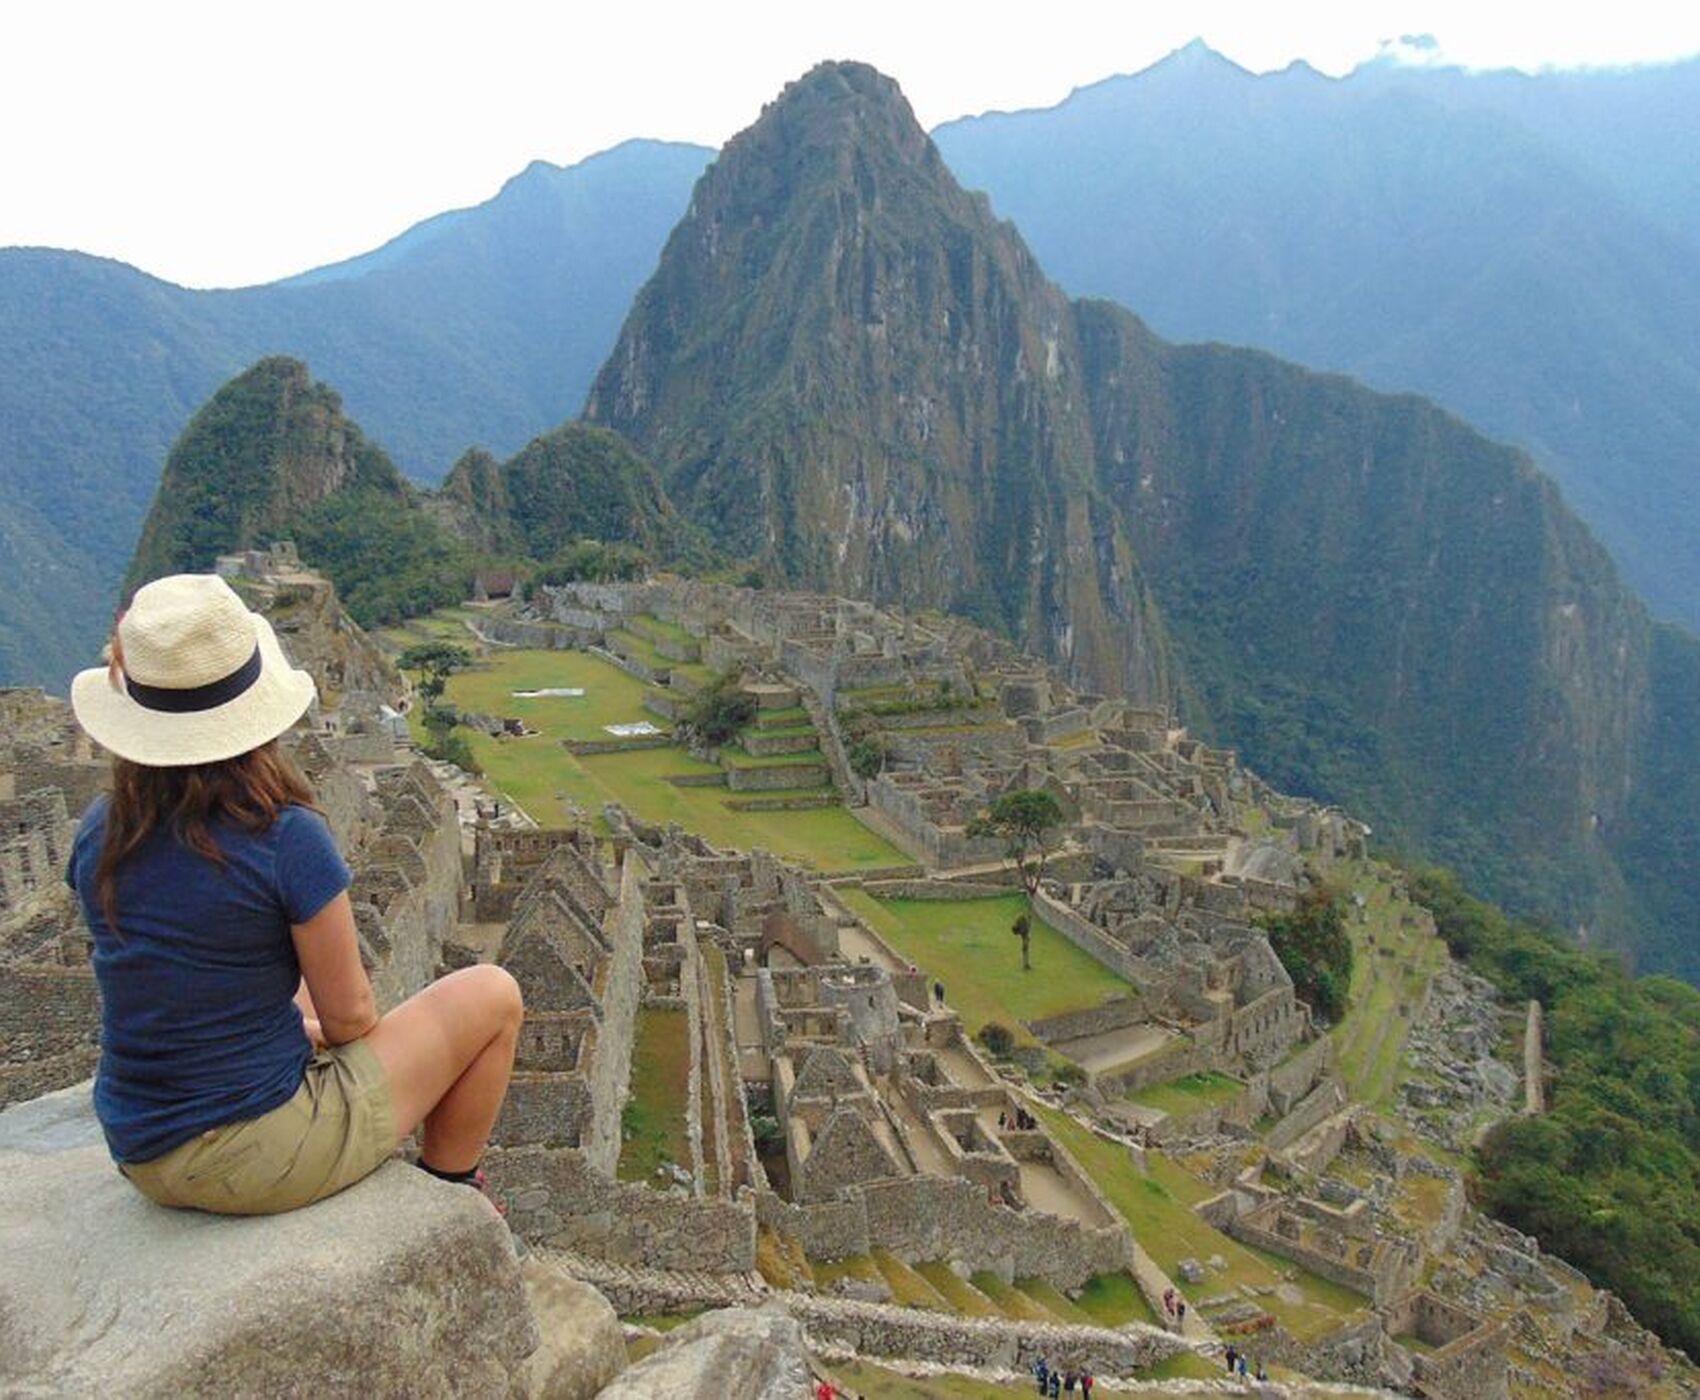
(218, 144)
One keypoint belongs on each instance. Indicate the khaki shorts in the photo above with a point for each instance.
(339, 1127)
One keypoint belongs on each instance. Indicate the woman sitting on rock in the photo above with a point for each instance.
(244, 1067)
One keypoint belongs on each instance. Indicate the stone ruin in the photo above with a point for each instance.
(892, 1132)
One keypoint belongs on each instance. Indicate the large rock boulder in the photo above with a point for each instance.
(583, 1345)
(752, 1353)
(399, 1286)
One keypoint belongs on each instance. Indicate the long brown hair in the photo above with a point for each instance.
(249, 791)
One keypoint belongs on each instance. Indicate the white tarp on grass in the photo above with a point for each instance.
(637, 730)
(569, 692)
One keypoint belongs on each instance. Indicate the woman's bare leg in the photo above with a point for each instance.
(448, 1052)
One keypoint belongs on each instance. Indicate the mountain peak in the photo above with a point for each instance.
(1194, 59)
(834, 106)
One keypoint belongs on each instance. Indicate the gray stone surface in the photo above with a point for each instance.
(582, 1346)
(399, 1286)
(754, 1354)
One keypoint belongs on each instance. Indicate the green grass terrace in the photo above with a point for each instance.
(967, 945)
(546, 781)
(653, 1123)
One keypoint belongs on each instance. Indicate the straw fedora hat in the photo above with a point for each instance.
(203, 678)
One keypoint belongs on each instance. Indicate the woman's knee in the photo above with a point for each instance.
(497, 992)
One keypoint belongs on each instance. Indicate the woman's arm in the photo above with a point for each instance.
(336, 985)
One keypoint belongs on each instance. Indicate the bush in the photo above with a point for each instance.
(1067, 1073)
(998, 1039)
(453, 748)
(764, 1129)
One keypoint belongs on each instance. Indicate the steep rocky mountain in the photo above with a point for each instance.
(272, 455)
(1524, 249)
(482, 325)
(845, 366)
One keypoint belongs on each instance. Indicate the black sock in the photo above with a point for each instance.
(465, 1178)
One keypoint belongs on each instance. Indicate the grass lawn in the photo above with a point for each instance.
(956, 1291)
(1190, 1093)
(1010, 1299)
(967, 945)
(1053, 1300)
(737, 758)
(858, 1266)
(653, 1124)
(542, 777)
(909, 1287)
(1112, 1299)
(658, 627)
(1158, 1206)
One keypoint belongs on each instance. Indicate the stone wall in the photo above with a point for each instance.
(1385, 1274)
(1084, 934)
(977, 1344)
(49, 1026)
(923, 1218)
(771, 778)
(1470, 1368)
(559, 1198)
(690, 992)
(622, 991)
(423, 834)
(548, 1110)
(612, 745)
(1328, 1098)
(1095, 1020)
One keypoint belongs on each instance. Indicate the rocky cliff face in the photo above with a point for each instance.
(846, 366)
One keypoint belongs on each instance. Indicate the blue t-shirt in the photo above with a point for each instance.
(198, 1021)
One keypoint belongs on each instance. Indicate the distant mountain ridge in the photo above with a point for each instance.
(1525, 250)
(1193, 192)
(845, 365)
(482, 326)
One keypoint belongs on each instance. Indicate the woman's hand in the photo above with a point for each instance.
(315, 1033)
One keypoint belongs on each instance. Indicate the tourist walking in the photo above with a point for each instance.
(1042, 1373)
(244, 1066)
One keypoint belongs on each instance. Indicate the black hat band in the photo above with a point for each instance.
(191, 699)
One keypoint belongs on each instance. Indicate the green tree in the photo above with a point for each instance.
(436, 661)
(1316, 950)
(1022, 928)
(717, 712)
(867, 757)
(1027, 820)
